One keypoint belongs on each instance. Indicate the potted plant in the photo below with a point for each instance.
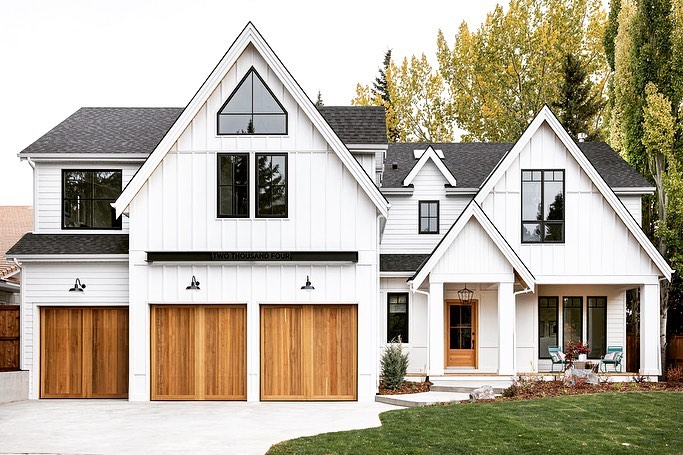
(576, 351)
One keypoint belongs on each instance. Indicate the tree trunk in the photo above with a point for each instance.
(662, 200)
(663, 316)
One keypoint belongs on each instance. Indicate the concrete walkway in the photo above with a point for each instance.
(413, 400)
(117, 426)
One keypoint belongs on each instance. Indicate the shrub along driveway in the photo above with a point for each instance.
(118, 426)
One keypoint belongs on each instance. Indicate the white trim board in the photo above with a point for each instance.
(546, 116)
(429, 154)
(250, 36)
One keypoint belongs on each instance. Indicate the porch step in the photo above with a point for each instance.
(468, 384)
(414, 400)
(462, 389)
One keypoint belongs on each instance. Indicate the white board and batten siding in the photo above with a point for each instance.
(48, 197)
(176, 210)
(401, 233)
(597, 242)
(48, 284)
(634, 204)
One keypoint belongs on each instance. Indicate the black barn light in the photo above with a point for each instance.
(194, 285)
(307, 286)
(78, 287)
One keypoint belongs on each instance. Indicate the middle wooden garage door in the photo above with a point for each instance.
(199, 352)
(309, 352)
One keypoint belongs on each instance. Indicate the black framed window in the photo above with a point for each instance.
(233, 185)
(87, 196)
(548, 308)
(271, 185)
(428, 217)
(397, 317)
(597, 326)
(252, 109)
(543, 206)
(572, 319)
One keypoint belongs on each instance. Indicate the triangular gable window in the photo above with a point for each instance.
(252, 109)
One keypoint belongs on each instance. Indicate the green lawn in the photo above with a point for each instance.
(641, 422)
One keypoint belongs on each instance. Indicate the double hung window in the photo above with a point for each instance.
(543, 206)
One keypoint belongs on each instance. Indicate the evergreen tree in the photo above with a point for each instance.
(578, 105)
(380, 87)
(319, 101)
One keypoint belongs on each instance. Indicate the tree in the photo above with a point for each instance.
(501, 75)
(578, 105)
(319, 101)
(415, 102)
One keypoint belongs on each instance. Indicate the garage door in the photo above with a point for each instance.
(84, 352)
(308, 352)
(199, 352)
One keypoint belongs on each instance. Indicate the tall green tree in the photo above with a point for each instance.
(500, 75)
(578, 105)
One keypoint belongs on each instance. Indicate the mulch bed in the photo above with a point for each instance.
(408, 387)
(526, 389)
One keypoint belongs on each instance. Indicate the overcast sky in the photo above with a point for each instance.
(59, 55)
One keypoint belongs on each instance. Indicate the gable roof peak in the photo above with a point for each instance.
(430, 154)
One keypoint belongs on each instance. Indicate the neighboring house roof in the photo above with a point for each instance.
(472, 162)
(96, 130)
(401, 262)
(251, 36)
(15, 221)
(357, 124)
(69, 244)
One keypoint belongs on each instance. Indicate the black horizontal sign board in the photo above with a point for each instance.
(252, 256)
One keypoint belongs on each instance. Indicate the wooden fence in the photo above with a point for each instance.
(675, 350)
(9, 337)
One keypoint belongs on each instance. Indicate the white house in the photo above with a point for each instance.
(262, 249)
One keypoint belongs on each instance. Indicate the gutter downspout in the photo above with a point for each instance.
(413, 290)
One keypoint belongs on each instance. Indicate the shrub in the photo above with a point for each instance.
(394, 365)
(674, 374)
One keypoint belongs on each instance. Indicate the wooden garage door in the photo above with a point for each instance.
(308, 352)
(199, 352)
(84, 352)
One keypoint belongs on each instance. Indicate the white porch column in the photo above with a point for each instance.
(506, 329)
(436, 329)
(649, 330)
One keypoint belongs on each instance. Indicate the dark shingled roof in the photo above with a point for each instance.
(357, 124)
(70, 244)
(108, 130)
(471, 162)
(401, 262)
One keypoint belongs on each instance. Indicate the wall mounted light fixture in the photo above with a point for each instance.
(194, 285)
(307, 286)
(78, 287)
(465, 295)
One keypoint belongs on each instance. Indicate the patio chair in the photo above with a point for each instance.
(557, 358)
(613, 357)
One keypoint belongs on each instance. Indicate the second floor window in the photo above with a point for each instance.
(271, 185)
(429, 217)
(87, 196)
(543, 206)
(233, 185)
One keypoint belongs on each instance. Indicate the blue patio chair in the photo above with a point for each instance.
(557, 358)
(613, 357)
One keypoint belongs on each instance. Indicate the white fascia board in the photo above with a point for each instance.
(109, 157)
(473, 210)
(406, 191)
(461, 191)
(634, 190)
(9, 287)
(626, 280)
(71, 257)
(250, 36)
(396, 274)
(546, 115)
(361, 147)
(429, 154)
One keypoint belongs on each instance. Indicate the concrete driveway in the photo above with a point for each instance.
(116, 426)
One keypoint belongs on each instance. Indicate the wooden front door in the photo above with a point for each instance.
(308, 352)
(199, 352)
(84, 352)
(461, 333)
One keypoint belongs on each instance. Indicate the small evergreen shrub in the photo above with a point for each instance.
(394, 365)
